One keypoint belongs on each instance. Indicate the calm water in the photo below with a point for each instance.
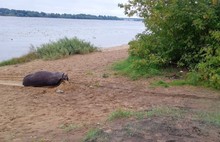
(18, 34)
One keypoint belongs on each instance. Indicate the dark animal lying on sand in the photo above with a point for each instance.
(45, 78)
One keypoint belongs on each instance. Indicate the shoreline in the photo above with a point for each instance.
(103, 49)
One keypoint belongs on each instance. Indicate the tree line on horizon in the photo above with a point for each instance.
(25, 13)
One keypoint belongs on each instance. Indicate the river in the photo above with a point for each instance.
(17, 34)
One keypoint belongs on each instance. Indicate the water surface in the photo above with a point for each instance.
(17, 34)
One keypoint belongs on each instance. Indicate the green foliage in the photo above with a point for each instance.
(210, 117)
(182, 33)
(135, 68)
(209, 70)
(23, 59)
(69, 127)
(192, 78)
(166, 111)
(62, 48)
(120, 114)
(160, 83)
(92, 134)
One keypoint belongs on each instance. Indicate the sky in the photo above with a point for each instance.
(94, 7)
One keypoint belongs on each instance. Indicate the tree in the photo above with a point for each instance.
(185, 33)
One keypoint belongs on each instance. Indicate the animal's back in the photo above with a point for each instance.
(43, 78)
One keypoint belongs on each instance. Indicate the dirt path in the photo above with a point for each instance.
(35, 114)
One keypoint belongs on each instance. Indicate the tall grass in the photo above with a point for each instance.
(23, 59)
(64, 47)
(54, 50)
(127, 68)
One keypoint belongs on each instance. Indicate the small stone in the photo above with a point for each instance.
(60, 91)
(108, 131)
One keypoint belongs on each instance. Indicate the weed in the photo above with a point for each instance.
(190, 79)
(166, 111)
(92, 134)
(69, 127)
(140, 115)
(160, 83)
(129, 130)
(210, 117)
(120, 114)
(126, 67)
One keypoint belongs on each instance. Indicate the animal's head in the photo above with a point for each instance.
(65, 77)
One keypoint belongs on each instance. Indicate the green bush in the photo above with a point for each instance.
(54, 50)
(181, 33)
(64, 47)
(210, 70)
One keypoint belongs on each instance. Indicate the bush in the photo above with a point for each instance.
(54, 50)
(181, 33)
(64, 47)
(210, 70)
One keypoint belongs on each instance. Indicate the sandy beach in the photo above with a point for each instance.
(30, 114)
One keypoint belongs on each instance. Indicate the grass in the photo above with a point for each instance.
(166, 111)
(54, 50)
(69, 127)
(191, 78)
(118, 114)
(127, 68)
(210, 117)
(133, 70)
(64, 47)
(162, 111)
(160, 83)
(23, 59)
(157, 111)
(92, 134)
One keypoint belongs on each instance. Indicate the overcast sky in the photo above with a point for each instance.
(95, 7)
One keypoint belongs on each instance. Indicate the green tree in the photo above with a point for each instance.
(185, 33)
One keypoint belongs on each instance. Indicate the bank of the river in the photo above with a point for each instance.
(95, 91)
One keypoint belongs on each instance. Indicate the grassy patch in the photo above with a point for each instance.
(166, 111)
(120, 114)
(210, 117)
(160, 83)
(23, 59)
(127, 68)
(162, 111)
(62, 48)
(157, 111)
(191, 78)
(69, 127)
(92, 135)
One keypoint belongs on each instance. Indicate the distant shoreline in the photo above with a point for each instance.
(27, 13)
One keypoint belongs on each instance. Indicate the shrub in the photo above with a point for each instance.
(64, 47)
(54, 50)
(181, 33)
